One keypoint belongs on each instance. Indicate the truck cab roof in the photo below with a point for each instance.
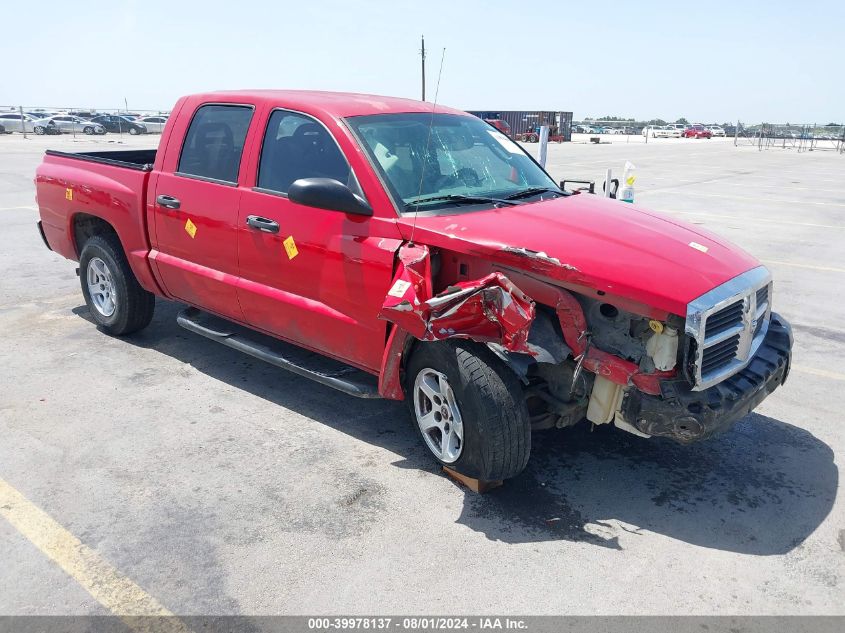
(334, 104)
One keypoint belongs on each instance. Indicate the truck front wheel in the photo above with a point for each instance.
(469, 409)
(117, 302)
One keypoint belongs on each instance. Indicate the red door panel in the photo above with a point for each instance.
(326, 295)
(198, 262)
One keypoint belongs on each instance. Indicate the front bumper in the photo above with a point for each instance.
(687, 416)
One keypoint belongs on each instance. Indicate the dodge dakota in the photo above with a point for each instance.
(391, 248)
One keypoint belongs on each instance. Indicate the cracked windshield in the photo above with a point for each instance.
(437, 161)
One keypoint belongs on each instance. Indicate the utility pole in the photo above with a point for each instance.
(422, 54)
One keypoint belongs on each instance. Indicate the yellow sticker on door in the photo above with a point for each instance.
(68, 193)
(190, 228)
(290, 247)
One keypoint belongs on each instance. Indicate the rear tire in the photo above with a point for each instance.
(117, 302)
(484, 403)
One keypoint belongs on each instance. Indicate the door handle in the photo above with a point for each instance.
(168, 202)
(262, 224)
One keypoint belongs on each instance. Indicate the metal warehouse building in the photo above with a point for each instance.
(522, 121)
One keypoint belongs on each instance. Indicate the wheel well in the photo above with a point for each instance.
(86, 226)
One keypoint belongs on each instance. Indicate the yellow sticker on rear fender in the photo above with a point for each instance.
(290, 247)
(68, 194)
(190, 228)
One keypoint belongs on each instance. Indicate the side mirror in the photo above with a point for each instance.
(327, 193)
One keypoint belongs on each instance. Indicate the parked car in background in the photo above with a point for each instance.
(46, 126)
(584, 129)
(17, 122)
(716, 130)
(119, 124)
(69, 124)
(697, 131)
(660, 131)
(2, 130)
(154, 124)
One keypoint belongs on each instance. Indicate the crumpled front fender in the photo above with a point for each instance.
(487, 310)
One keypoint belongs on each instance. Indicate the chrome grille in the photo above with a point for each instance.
(724, 319)
(728, 324)
(719, 353)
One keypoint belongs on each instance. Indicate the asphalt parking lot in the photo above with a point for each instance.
(218, 484)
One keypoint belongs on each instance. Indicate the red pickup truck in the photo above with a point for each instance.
(415, 252)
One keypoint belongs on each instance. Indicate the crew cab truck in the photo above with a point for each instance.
(390, 248)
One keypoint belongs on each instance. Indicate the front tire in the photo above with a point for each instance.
(117, 302)
(469, 409)
(88, 130)
(133, 131)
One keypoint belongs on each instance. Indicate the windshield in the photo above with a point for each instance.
(443, 159)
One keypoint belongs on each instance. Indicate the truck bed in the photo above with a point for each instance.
(108, 185)
(140, 159)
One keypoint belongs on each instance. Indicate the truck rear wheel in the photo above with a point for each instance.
(469, 409)
(116, 300)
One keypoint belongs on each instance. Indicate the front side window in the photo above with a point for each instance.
(440, 158)
(214, 142)
(296, 146)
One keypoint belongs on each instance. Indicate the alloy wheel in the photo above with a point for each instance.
(101, 287)
(438, 416)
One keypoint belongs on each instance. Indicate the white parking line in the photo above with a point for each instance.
(808, 266)
(756, 199)
(735, 218)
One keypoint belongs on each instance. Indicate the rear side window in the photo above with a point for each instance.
(215, 142)
(296, 146)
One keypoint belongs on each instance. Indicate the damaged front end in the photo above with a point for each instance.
(490, 309)
(577, 357)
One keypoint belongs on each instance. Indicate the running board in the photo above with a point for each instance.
(331, 373)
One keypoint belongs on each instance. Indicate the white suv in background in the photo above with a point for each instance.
(716, 130)
(676, 130)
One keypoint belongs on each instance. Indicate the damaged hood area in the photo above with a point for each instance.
(586, 240)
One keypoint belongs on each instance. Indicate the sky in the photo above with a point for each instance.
(706, 61)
